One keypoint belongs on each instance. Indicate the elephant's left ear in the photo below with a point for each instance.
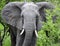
(42, 6)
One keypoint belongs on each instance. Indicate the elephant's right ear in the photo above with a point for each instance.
(11, 14)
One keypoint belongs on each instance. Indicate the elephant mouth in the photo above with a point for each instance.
(34, 31)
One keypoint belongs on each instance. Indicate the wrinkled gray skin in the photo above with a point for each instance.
(27, 16)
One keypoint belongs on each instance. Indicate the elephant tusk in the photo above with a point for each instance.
(22, 32)
(36, 33)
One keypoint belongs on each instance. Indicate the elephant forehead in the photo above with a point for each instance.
(30, 6)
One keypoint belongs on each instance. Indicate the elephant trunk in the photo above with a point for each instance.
(28, 38)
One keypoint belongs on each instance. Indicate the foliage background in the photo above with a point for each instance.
(52, 28)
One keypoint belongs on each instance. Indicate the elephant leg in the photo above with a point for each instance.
(13, 38)
(20, 38)
(33, 42)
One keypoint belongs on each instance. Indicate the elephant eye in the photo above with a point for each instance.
(22, 16)
(36, 20)
(36, 17)
(22, 19)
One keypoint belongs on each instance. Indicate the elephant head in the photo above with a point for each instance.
(27, 17)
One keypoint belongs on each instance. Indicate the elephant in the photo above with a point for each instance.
(25, 20)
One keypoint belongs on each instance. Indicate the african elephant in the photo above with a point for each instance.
(25, 20)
